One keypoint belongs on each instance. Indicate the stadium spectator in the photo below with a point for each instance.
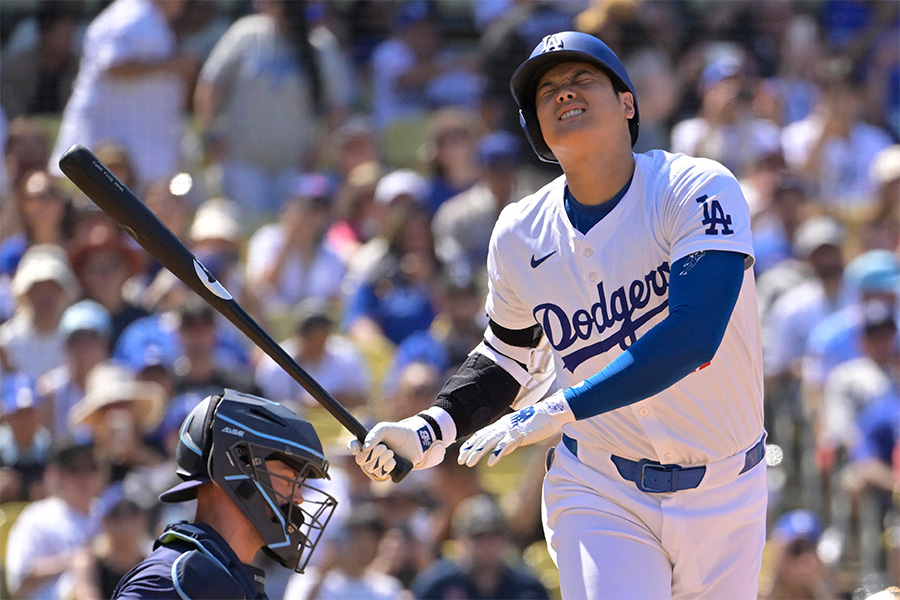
(853, 386)
(169, 202)
(27, 149)
(394, 193)
(86, 328)
(103, 260)
(129, 87)
(880, 229)
(480, 569)
(797, 570)
(462, 225)
(414, 385)
(120, 411)
(449, 155)
(412, 73)
(39, 79)
(870, 482)
(24, 441)
(215, 238)
(117, 160)
(123, 541)
(330, 359)
(45, 215)
(201, 367)
(267, 83)
(775, 230)
(31, 341)
(354, 143)
(727, 128)
(215, 233)
(875, 277)
(354, 219)
(397, 298)
(833, 146)
(821, 292)
(289, 261)
(345, 572)
(157, 336)
(456, 329)
(47, 533)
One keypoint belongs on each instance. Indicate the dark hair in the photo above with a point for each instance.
(69, 455)
(195, 310)
(298, 33)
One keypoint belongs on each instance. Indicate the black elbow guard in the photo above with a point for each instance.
(479, 392)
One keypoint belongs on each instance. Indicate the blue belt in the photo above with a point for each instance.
(652, 476)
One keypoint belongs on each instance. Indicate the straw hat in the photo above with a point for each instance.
(108, 384)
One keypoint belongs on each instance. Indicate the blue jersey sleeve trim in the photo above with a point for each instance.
(703, 290)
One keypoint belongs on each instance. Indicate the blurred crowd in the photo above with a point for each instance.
(338, 166)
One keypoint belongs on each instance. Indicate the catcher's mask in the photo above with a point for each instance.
(228, 440)
(566, 46)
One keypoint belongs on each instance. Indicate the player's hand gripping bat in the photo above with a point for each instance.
(99, 184)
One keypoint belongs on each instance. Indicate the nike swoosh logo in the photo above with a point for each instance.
(535, 262)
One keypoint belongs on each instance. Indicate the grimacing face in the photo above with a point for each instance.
(576, 103)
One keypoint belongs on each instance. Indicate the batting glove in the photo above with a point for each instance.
(412, 438)
(527, 426)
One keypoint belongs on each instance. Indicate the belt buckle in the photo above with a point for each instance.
(645, 464)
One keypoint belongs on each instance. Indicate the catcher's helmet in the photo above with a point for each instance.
(566, 46)
(227, 440)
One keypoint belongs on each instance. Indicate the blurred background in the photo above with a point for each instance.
(339, 166)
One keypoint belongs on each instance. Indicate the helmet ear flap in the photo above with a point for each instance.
(529, 122)
(245, 490)
(208, 433)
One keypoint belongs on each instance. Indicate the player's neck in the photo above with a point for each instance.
(230, 523)
(598, 179)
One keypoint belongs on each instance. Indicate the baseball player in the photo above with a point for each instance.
(247, 461)
(630, 275)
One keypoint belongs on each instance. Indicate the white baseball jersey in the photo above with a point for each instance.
(594, 294)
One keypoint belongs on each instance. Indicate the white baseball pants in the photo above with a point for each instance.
(613, 541)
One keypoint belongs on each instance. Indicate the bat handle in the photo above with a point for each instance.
(401, 469)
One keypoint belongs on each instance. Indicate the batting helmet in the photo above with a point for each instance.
(227, 440)
(566, 46)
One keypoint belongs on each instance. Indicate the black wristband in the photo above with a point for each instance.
(438, 435)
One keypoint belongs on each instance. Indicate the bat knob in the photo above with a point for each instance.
(401, 469)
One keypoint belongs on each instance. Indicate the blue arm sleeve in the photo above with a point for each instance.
(702, 295)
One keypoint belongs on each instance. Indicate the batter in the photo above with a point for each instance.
(625, 285)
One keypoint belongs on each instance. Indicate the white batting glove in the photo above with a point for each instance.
(412, 438)
(526, 426)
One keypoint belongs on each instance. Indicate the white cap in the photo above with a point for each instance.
(216, 219)
(44, 262)
(399, 183)
(816, 232)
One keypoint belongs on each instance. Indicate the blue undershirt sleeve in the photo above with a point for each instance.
(703, 289)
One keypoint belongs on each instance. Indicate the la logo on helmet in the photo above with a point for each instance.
(552, 42)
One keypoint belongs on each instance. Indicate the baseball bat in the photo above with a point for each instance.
(115, 199)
